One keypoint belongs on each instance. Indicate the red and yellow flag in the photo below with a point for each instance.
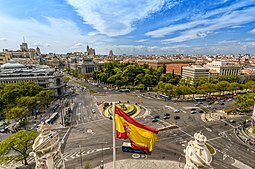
(141, 137)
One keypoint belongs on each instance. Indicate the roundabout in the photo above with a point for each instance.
(130, 109)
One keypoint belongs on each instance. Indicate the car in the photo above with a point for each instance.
(232, 120)
(208, 106)
(93, 111)
(167, 114)
(210, 103)
(193, 109)
(193, 112)
(156, 117)
(166, 117)
(176, 111)
(176, 117)
(201, 111)
(3, 129)
(222, 103)
(154, 120)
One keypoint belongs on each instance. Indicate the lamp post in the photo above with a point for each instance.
(37, 110)
(81, 156)
(61, 113)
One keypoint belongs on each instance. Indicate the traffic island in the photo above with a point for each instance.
(245, 134)
(131, 109)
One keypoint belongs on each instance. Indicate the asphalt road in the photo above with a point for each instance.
(92, 131)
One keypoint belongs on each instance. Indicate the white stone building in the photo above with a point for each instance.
(42, 75)
(224, 68)
(194, 72)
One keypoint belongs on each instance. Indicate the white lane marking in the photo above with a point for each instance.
(170, 107)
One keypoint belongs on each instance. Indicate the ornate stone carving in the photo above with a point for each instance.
(46, 149)
(197, 154)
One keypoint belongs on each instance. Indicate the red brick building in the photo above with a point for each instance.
(176, 66)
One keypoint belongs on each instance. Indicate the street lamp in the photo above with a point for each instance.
(81, 156)
(37, 110)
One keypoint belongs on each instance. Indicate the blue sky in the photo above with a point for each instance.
(131, 27)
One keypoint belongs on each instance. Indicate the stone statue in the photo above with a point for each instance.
(197, 154)
(46, 149)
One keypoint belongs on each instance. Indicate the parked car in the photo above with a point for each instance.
(193, 109)
(93, 111)
(167, 114)
(222, 103)
(166, 117)
(176, 117)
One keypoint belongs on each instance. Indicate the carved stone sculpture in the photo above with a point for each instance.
(46, 149)
(197, 154)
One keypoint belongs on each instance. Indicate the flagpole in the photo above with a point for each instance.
(113, 136)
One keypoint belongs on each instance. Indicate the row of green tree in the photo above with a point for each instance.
(19, 100)
(133, 76)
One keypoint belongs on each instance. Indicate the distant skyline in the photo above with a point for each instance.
(132, 27)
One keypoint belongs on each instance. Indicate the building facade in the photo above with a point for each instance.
(223, 68)
(42, 75)
(194, 72)
(175, 67)
(23, 52)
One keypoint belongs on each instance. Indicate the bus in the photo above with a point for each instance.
(52, 118)
(162, 96)
(126, 147)
(199, 100)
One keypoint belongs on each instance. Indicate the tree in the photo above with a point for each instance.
(87, 166)
(19, 113)
(66, 78)
(245, 101)
(222, 86)
(20, 142)
(45, 97)
(234, 86)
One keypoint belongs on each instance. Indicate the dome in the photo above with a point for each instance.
(12, 65)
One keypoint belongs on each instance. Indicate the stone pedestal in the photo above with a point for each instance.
(197, 154)
(46, 149)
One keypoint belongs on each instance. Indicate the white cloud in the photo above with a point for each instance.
(209, 26)
(56, 35)
(78, 44)
(115, 17)
(142, 40)
(3, 39)
(93, 33)
(227, 17)
(252, 31)
(227, 41)
(173, 28)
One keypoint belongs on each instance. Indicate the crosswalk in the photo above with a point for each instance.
(73, 155)
(66, 157)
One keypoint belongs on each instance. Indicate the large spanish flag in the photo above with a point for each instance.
(141, 137)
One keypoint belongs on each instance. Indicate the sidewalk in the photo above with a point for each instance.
(144, 164)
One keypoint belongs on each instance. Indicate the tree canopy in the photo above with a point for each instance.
(21, 143)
